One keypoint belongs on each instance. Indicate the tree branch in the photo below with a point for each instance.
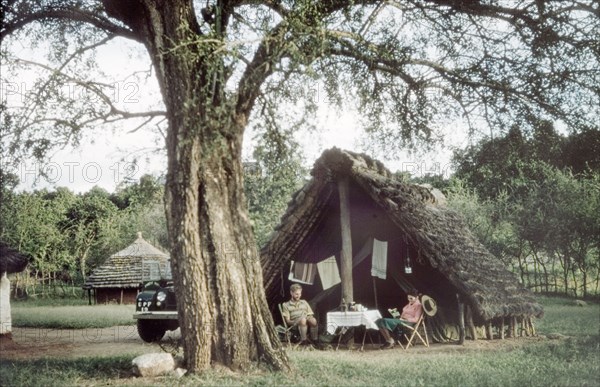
(113, 110)
(274, 5)
(70, 13)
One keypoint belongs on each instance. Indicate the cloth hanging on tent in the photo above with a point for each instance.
(303, 272)
(379, 259)
(329, 272)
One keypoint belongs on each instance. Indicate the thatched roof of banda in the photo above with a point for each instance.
(440, 235)
(124, 269)
(11, 260)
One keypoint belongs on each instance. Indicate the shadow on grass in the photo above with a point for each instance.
(565, 362)
(52, 372)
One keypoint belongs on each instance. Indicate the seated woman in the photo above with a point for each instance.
(410, 315)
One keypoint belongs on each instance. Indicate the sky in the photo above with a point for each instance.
(111, 155)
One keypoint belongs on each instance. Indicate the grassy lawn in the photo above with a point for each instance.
(71, 316)
(574, 361)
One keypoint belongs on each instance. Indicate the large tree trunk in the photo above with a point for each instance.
(223, 313)
(222, 307)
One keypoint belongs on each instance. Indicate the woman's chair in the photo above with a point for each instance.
(419, 330)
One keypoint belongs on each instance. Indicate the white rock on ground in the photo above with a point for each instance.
(179, 372)
(153, 364)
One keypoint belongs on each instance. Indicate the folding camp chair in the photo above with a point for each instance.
(287, 331)
(429, 310)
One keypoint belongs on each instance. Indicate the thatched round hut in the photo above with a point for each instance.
(429, 247)
(11, 261)
(119, 278)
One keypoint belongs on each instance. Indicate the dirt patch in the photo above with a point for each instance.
(34, 343)
(7, 343)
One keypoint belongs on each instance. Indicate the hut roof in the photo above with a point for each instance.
(126, 268)
(443, 239)
(11, 260)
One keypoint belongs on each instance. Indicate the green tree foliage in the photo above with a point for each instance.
(271, 179)
(142, 209)
(495, 231)
(69, 234)
(539, 215)
(559, 220)
(489, 165)
(31, 224)
(147, 190)
(85, 223)
(8, 182)
(411, 66)
(582, 152)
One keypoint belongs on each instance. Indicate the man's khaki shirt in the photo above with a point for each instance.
(293, 310)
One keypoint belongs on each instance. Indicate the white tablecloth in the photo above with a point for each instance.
(352, 319)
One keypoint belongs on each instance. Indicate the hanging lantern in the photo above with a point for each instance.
(407, 267)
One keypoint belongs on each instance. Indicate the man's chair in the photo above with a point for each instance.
(289, 333)
(419, 330)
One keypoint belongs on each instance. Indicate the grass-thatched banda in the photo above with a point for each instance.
(448, 260)
(11, 261)
(119, 278)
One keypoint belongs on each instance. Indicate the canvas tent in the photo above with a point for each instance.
(120, 277)
(353, 200)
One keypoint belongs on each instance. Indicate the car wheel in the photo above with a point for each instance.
(151, 331)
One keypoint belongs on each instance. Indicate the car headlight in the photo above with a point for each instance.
(161, 296)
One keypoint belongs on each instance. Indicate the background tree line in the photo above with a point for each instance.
(534, 199)
(69, 234)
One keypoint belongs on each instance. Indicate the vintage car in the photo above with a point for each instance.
(156, 305)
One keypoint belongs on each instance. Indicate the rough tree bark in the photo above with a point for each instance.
(223, 312)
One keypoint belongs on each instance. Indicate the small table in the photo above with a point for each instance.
(352, 319)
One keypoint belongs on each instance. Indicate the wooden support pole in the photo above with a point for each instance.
(513, 327)
(470, 324)
(375, 292)
(488, 331)
(461, 320)
(532, 326)
(346, 256)
(502, 329)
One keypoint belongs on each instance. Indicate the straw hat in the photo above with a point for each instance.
(429, 305)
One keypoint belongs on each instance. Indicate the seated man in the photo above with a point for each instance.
(410, 315)
(297, 312)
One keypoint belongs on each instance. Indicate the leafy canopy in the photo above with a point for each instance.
(411, 67)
